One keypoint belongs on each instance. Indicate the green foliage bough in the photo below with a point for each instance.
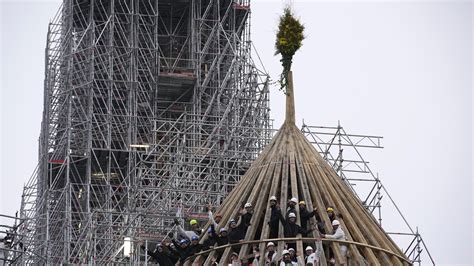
(289, 40)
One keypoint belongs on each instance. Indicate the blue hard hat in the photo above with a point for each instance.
(183, 241)
(194, 238)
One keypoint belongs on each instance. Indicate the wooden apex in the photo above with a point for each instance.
(290, 100)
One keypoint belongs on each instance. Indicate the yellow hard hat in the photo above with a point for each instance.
(193, 222)
(330, 209)
(302, 202)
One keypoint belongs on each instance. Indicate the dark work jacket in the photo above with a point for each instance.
(238, 233)
(161, 257)
(245, 221)
(183, 253)
(274, 220)
(223, 240)
(304, 217)
(291, 230)
(196, 248)
(211, 239)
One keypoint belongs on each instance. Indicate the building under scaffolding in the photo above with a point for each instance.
(152, 110)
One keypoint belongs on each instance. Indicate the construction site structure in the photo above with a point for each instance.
(152, 109)
(289, 170)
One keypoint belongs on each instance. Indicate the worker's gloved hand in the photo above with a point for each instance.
(176, 221)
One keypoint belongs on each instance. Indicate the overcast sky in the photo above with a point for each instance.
(402, 70)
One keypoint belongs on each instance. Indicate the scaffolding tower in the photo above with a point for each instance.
(152, 110)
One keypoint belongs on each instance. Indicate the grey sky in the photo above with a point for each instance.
(402, 70)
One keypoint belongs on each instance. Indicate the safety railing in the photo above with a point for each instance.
(403, 260)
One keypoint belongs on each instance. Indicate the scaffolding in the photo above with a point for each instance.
(152, 109)
(343, 152)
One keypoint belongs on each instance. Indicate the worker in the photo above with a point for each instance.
(195, 229)
(236, 232)
(338, 235)
(270, 255)
(234, 259)
(256, 256)
(293, 254)
(291, 206)
(172, 253)
(211, 238)
(195, 246)
(305, 215)
(182, 247)
(159, 254)
(331, 213)
(274, 220)
(246, 214)
(286, 260)
(223, 238)
(290, 228)
(312, 257)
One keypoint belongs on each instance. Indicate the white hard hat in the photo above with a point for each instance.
(273, 198)
(292, 215)
(270, 244)
(336, 222)
(309, 248)
(285, 252)
(291, 249)
(247, 205)
(295, 200)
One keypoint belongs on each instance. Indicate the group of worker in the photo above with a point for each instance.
(187, 244)
(292, 229)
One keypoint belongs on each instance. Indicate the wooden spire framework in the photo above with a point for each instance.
(291, 167)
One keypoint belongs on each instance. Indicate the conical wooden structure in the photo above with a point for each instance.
(291, 167)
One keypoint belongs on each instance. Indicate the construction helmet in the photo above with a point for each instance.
(285, 252)
(336, 222)
(193, 222)
(302, 202)
(330, 209)
(270, 244)
(291, 215)
(273, 198)
(309, 248)
(295, 200)
(248, 205)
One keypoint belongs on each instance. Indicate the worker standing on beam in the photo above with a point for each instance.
(305, 215)
(338, 235)
(195, 229)
(274, 220)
